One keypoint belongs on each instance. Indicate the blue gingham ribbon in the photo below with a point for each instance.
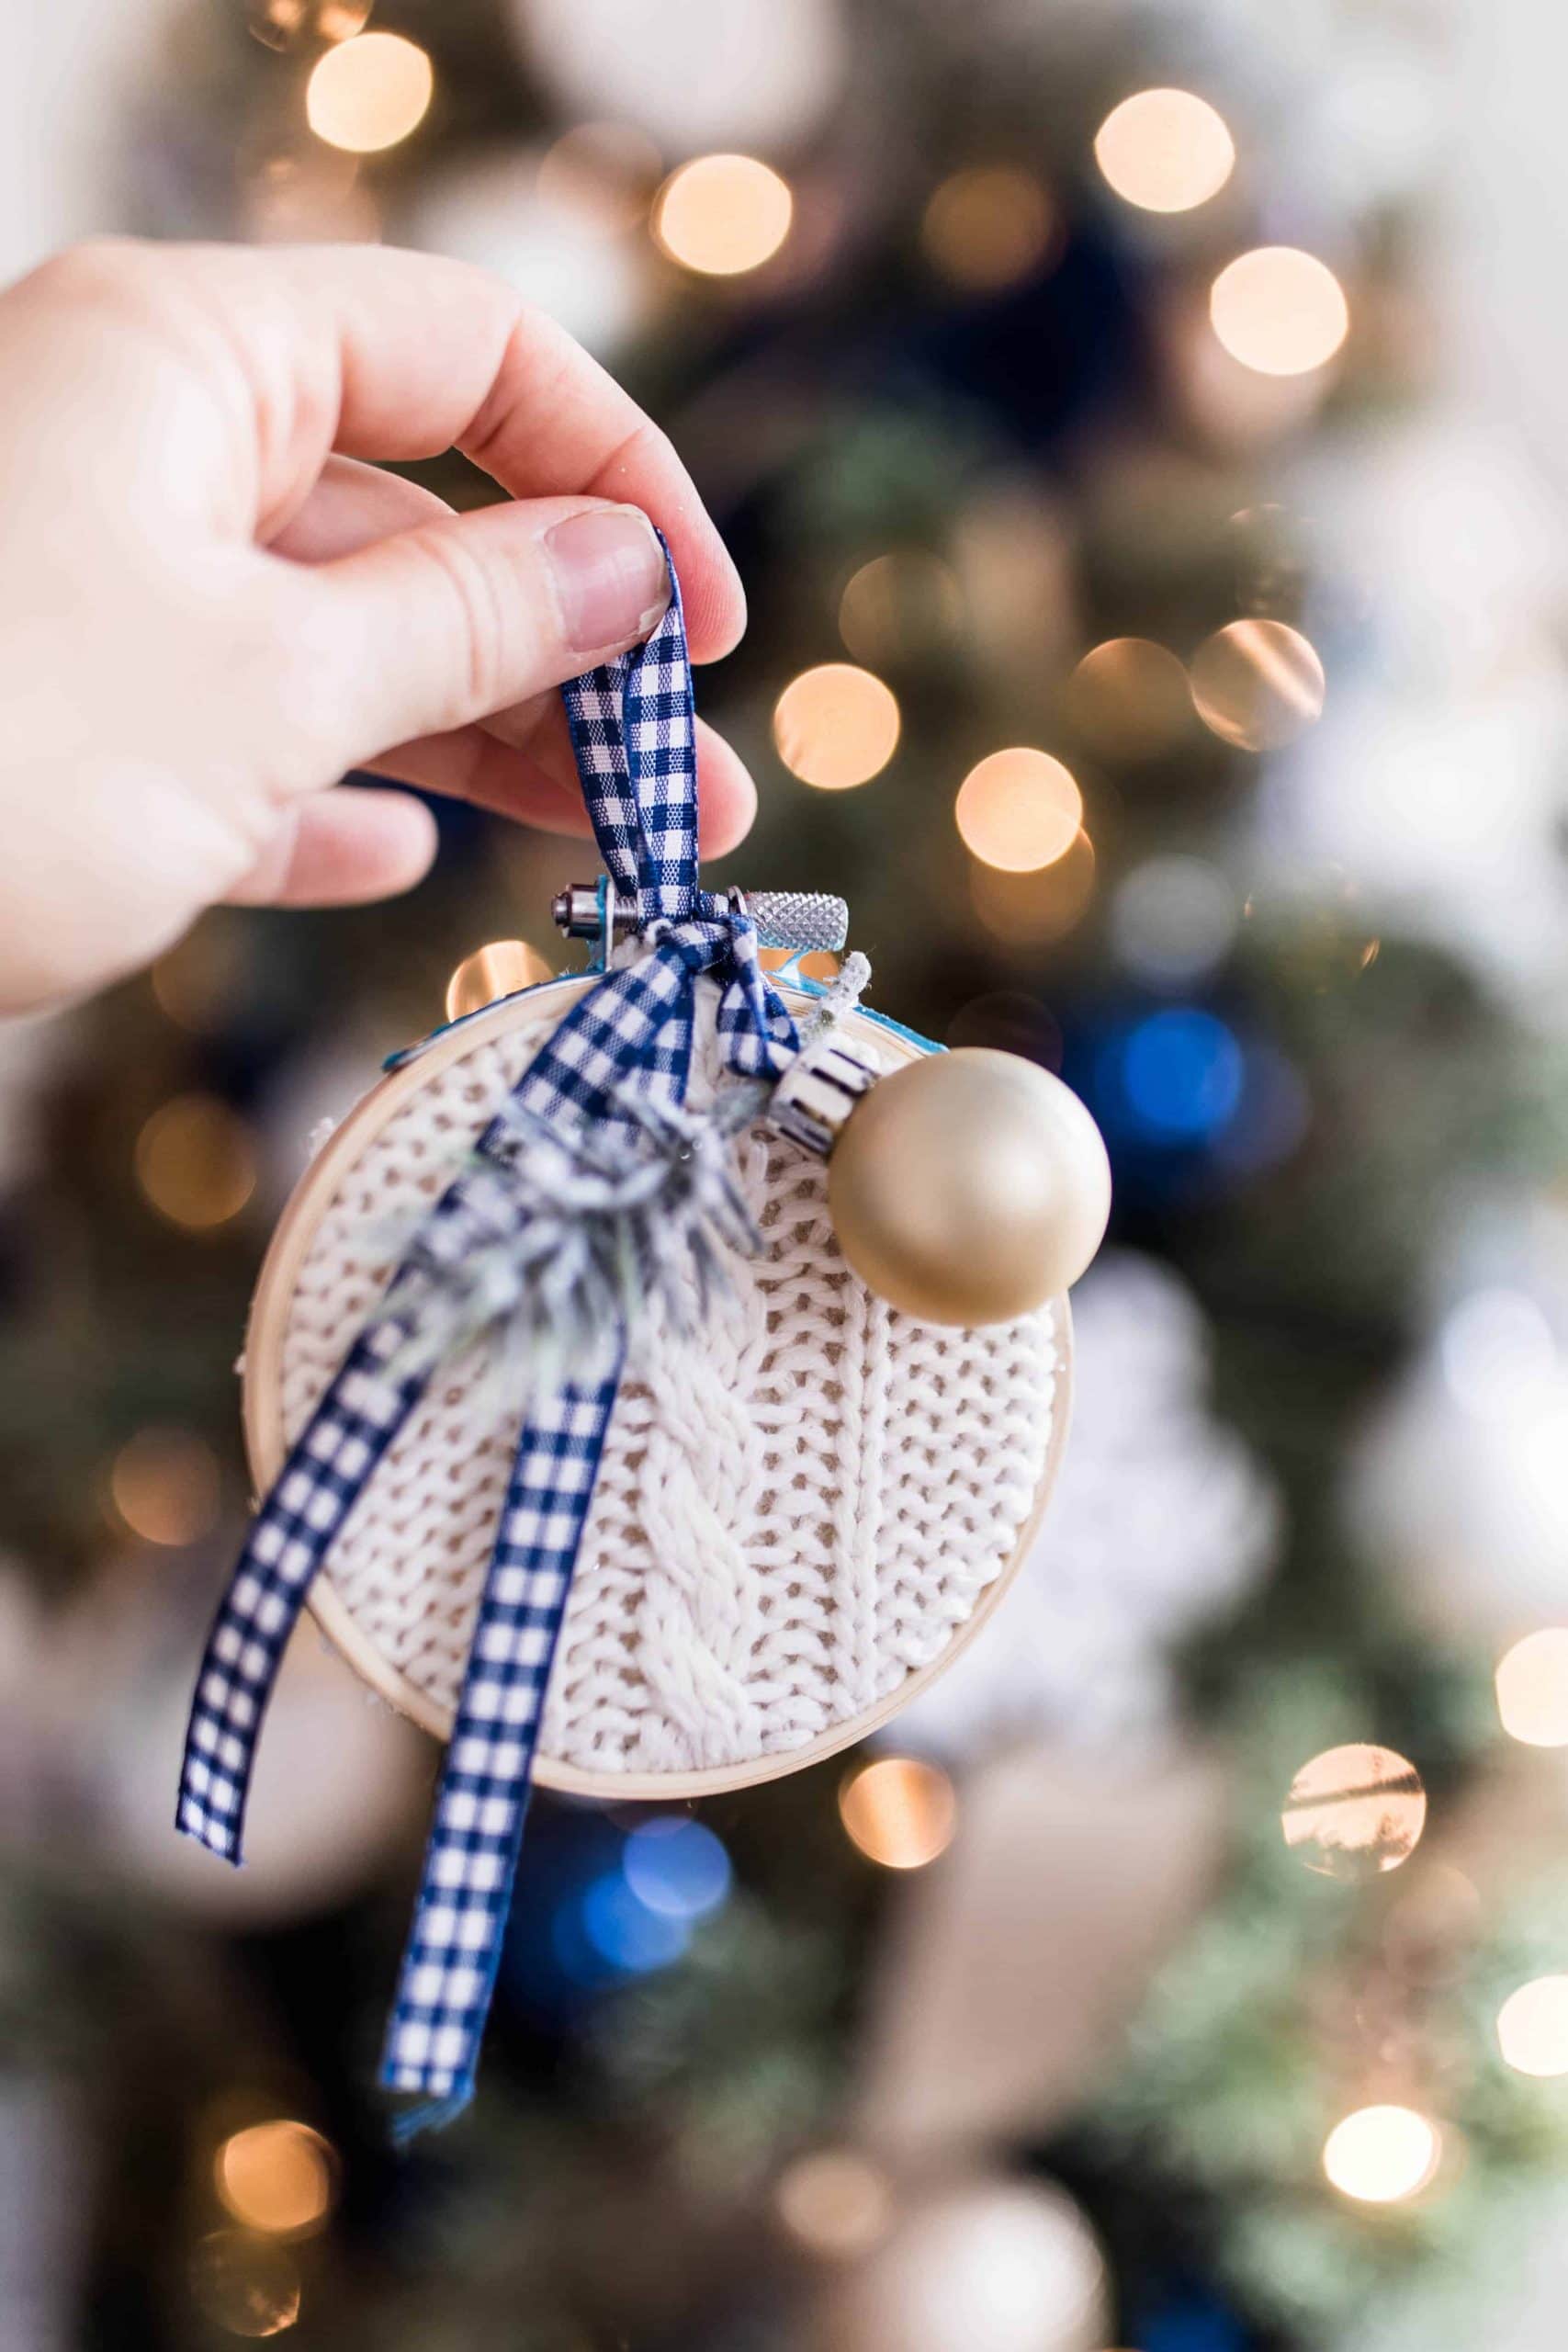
(633, 733)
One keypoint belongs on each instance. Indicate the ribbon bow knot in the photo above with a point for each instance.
(618, 1063)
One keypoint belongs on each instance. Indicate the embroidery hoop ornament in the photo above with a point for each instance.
(266, 1435)
(591, 1172)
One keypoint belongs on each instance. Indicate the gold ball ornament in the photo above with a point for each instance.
(969, 1187)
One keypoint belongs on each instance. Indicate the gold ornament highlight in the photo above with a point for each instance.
(969, 1188)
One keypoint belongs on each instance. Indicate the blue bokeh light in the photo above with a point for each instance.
(1274, 1116)
(624, 1931)
(584, 1968)
(1182, 1073)
(1192, 2320)
(677, 1868)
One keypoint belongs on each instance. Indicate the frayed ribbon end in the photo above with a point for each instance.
(431, 2115)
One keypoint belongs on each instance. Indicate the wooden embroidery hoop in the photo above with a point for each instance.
(267, 1444)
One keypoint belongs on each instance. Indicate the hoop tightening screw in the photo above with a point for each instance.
(796, 921)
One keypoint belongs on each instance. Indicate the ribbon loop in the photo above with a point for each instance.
(633, 732)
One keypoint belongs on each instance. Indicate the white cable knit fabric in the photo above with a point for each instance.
(794, 1513)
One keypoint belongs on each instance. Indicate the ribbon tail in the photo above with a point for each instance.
(755, 1027)
(430, 2115)
(449, 1967)
(346, 1436)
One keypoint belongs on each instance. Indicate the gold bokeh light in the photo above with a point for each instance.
(309, 193)
(1258, 683)
(281, 24)
(836, 726)
(1532, 1688)
(276, 2177)
(1355, 1811)
(1279, 310)
(1019, 810)
(1532, 2027)
(368, 93)
(196, 1162)
(989, 227)
(722, 215)
(899, 1812)
(899, 605)
(498, 969)
(1130, 697)
(1164, 151)
(602, 173)
(247, 2284)
(1023, 911)
(167, 1487)
(834, 2202)
(197, 982)
(1379, 2155)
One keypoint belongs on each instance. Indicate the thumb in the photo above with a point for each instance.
(437, 626)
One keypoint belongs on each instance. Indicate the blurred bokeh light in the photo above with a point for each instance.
(1130, 697)
(1280, 311)
(1179, 1076)
(676, 1867)
(1026, 910)
(900, 606)
(167, 1487)
(899, 1812)
(698, 74)
(1164, 151)
(603, 173)
(834, 2202)
(245, 2284)
(1532, 2027)
(1498, 1354)
(1019, 810)
(1258, 683)
(1532, 1688)
(552, 234)
(195, 1161)
(498, 969)
(276, 2177)
(627, 1933)
(722, 215)
(198, 982)
(369, 92)
(836, 726)
(1173, 920)
(989, 226)
(284, 24)
(1355, 1811)
(1382, 2154)
(305, 193)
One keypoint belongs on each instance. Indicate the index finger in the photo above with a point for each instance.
(395, 355)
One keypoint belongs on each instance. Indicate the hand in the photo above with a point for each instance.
(211, 606)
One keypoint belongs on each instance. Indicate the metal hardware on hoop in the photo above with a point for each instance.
(796, 921)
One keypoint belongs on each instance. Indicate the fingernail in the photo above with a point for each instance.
(611, 577)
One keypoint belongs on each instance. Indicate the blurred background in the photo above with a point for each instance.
(1140, 429)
